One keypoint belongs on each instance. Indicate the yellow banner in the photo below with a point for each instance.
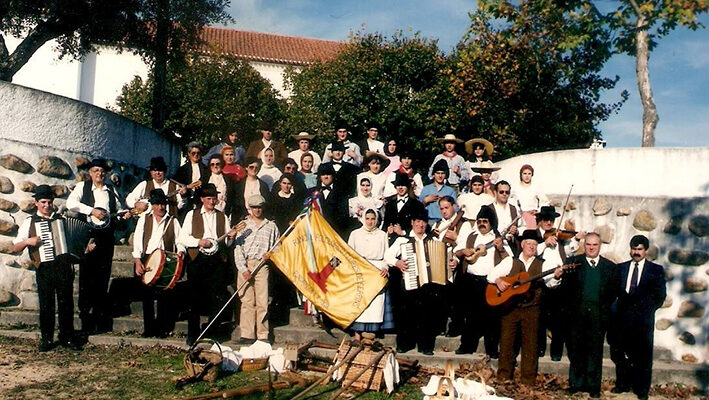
(337, 280)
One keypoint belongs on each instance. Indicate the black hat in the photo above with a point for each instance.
(383, 160)
(420, 213)
(98, 162)
(401, 180)
(326, 169)
(547, 213)
(337, 146)
(157, 196)
(404, 152)
(372, 125)
(208, 190)
(531, 234)
(157, 164)
(478, 179)
(43, 192)
(441, 165)
(486, 212)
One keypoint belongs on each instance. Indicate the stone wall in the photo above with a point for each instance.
(49, 139)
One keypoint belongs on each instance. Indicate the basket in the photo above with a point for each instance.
(202, 363)
(253, 364)
(372, 379)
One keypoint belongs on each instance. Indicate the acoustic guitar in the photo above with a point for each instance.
(519, 284)
(481, 249)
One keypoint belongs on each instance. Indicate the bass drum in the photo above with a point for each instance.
(163, 269)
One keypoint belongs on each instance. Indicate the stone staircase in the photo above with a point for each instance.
(128, 323)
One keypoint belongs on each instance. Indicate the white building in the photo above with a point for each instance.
(99, 77)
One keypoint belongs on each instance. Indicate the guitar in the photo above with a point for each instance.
(481, 249)
(135, 211)
(450, 227)
(519, 284)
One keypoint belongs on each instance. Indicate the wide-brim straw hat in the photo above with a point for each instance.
(383, 160)
(449, 138)
(303, 135)
(488, 146)
(485, 166)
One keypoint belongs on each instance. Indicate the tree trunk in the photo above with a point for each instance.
(162, 42)
(11, 63)
(642, 55)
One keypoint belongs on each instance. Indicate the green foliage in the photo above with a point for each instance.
(527, 75)
(398, 83)
(205, 98)
(659, 18)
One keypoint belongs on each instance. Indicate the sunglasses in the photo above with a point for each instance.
(215, 164)
(195, 152)
(503, 191)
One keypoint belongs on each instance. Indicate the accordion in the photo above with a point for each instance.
(62, 237)
(427, 263)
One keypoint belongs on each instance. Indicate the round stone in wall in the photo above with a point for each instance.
(54, 167)
(644, 221)
(82, 176)
(652, 252)
(115, 179)
(6, 185)
(663, 324)
(571, 206)
(669, 275)
(5, 296)
(81, 162)
(688, 338)
(695, 284)
(60, 190)
(690, 358)
(28, 206)
(601, 206)
(8, 227)
(690, 309)
(667, 303)
(699, 225)
(27, 186)
(6, 246)
(605, 232)
(692, 258)
(673, 226)
(7, 205)
(623, 212)
(555, 202)
(11, 161)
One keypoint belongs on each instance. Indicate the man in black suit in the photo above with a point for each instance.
(399, 208)
(345, 174)
(588, 292)
(642, 291)
(333, 200)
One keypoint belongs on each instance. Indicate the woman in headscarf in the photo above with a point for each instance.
(269, 173)
(364, 200)
(374, 165)
(371, 242)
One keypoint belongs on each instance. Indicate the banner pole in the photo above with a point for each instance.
(255, 271)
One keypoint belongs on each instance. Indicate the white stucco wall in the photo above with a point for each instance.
(639, 172)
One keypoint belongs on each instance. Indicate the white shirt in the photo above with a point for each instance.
(136, 195)
(595, 262)
(375, 146)
(485, 263)
(220, 183)
(465, 229)
(370, 244)
(504, 218)
(195, 172)
(378, 182)
(74, 203)
(473, 202)
(269, 174)
(393, 253)
(298, 153)
(209, 220)
(23, 233)
(641, 264)
(552, 253)
(503, 269)
(529, 197)
(156, 236)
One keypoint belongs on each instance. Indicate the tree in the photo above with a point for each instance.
(77, 25)
(639, 25)
(204, 98)
(527, 74)
(398, 83)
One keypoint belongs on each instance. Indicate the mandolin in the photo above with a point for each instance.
(481, 249)
(135, 211)
(519, 284)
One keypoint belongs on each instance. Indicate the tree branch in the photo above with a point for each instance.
(636, 7)
(3, 48)
(38, 36)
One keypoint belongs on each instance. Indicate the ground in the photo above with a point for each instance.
(129, 372)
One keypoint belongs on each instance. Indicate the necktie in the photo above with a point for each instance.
(593, 263)
(634, 279)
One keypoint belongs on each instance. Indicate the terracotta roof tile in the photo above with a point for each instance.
(267, 47)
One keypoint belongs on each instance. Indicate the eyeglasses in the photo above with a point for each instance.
(215, 164)
(503, 191)
(252, 166)
(194, 152)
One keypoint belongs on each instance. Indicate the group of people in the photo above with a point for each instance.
(224, 209)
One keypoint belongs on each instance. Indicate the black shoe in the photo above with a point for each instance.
(619, 389)
(71, 345)
(45, 345)
(642, 396)
(572, 390)
(402, 350)
(463, 350)
(426, 352)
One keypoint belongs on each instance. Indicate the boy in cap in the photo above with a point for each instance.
(156, 230)
(351, 152)
(54, 278)
(98, 199)
(252, 246)
(345, 172)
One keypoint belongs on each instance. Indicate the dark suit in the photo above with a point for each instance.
(230, 196)
(588, 294)
(632, 331)
(335, 209)
(393, 216)
(345, 178)
(239, 201)
(184, 176)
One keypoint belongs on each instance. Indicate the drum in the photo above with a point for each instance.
(163, 269)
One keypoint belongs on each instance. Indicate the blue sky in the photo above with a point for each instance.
(679, 67)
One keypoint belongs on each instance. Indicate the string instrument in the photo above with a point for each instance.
(135, 211)
(100, 224)
(481, 249)
(560, 234)
(215, 242)
(519, 284)
(450, 227)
